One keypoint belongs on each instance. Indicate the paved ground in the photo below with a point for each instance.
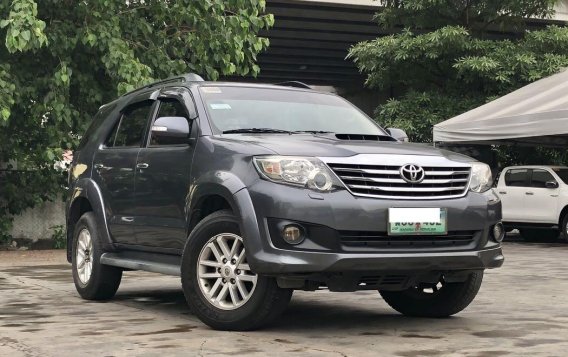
(522, 310)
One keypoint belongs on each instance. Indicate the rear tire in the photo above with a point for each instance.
(564, 228)
(428, 301)
(218, 284)
(93, 280)
(538, 235)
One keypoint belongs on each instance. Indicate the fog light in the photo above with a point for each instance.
(498, 232)
(292, 234)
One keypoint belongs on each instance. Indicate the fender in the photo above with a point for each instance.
(220, 183)
(87, 188)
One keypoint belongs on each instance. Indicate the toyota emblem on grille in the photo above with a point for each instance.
(412, 173)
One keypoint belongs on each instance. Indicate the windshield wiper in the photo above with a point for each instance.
(314, 131)
(256, 130)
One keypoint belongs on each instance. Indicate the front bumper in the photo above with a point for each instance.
(340, 211)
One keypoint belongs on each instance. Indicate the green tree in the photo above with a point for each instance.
(62, 59)
(452, 56)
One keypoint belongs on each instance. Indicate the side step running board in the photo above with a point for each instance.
(155, 263)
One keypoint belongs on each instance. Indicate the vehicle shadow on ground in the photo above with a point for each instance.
(302, 314)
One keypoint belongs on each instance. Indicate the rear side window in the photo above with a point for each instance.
(517, 178)
(129, 132)
(540, 177)
(99, 118)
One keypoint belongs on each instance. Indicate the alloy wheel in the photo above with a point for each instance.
(84, 256)
(223, 274)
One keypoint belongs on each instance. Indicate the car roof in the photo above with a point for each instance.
(255, 85)
(191, 80)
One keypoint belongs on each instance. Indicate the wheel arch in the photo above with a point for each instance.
(207, 199)
(563, 213)
(86, 197)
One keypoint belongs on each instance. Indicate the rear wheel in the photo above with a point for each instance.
(538, 235)
(218, 283)
(564, 228)
(93, 280)
(435, 300)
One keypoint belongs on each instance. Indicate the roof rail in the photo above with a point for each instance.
(295, 84)
(188, 77)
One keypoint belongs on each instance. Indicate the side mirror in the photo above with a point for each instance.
(170, 131)
(398, 134)
(551, 184)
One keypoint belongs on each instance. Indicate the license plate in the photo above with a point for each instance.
(417, 221)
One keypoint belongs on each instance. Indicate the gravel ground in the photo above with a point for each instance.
(521, 310)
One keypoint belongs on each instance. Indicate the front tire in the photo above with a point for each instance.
(217, 281)
(93, 280)
(440, 300)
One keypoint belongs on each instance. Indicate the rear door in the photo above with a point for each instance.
(114, 168)
(162, 178)
(512, 194)
(542, 202)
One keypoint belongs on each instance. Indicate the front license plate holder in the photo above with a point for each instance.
(417, 221)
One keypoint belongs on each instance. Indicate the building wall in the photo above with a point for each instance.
(36, 223)
(562, 11)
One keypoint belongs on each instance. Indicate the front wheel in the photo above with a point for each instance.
(217, 281)
(435, 300)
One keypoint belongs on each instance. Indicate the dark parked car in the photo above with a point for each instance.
(249, 192)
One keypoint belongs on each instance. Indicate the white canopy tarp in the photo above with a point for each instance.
(536, 114)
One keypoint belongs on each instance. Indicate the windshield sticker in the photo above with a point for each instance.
(220, 106)
(211, 90)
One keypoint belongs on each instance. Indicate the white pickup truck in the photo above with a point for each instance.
(535, 200)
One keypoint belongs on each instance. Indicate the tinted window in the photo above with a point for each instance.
(99, 118)
(540, 177)
(130, 130)
(517, 177)
(169, 108)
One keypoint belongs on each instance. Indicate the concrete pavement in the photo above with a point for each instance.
(521, 310)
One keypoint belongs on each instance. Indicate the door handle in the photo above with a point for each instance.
(529, 193)
(100, 166)
(142, 165)
(502, 192)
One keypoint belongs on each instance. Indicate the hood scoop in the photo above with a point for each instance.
(364, 137)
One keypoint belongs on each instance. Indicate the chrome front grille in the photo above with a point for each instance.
(385, 181)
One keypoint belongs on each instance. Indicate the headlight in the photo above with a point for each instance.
(299, 171)
(481, 179)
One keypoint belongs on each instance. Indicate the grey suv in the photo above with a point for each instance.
(248, 192)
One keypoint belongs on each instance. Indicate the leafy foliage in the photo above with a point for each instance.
(455, 55)
(62, 59)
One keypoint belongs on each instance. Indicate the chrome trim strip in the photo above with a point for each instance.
(389, 180)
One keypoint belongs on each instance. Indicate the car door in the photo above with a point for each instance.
(114, 168)
(512, 194)
(162, 178)
(541, 201)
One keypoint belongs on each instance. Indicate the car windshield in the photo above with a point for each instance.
(562, 173)
(258, 110)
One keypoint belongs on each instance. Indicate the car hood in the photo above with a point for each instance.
(328, 145)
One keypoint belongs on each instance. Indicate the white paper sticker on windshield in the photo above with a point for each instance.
(210, 90)
(221, 106)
